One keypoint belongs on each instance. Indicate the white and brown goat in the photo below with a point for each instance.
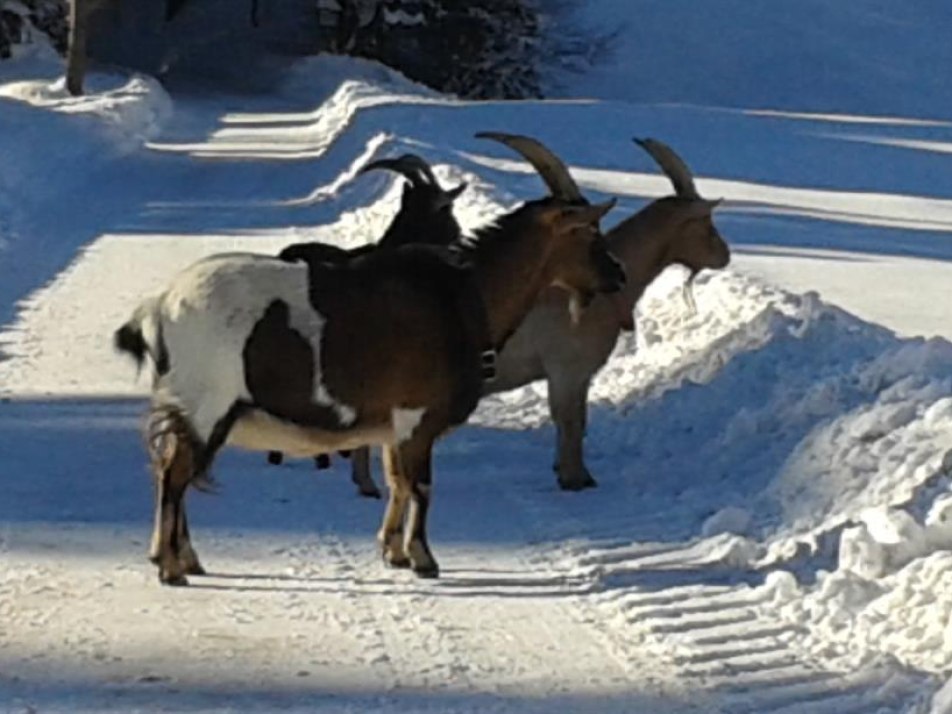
(675, 230)
(385, 349)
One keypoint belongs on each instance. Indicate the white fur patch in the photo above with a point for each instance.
(345, 415)
(404, 422)
(208, 314)
(259, 431)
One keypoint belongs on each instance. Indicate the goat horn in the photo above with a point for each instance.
(549, 166)
(422, 166)
(410, 166)
(672, 165)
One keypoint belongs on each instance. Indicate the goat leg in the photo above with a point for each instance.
(172, 454)
(360, 473)
(416, 460)
(155, 543)
(187, 555)
(171, 489)
(391, 530)
(567, 405)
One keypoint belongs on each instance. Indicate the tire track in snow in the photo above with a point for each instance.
(619, 668)
(702, 620)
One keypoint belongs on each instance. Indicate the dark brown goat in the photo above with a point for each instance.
(425, 218)
(388, 348)
(675, 230)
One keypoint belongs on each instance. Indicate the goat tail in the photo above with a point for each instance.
(141, 336)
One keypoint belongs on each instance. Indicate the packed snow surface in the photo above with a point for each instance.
(773, 527)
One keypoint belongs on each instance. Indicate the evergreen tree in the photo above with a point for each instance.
(18, 19)
(474, 48)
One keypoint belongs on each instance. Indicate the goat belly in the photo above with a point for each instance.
(259, 431)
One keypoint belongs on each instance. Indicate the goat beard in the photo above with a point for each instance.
(687, 293)
(578, 302)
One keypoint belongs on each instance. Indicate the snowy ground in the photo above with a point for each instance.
(772, 532)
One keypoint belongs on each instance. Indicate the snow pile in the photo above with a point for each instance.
(825, 441)
(323, 74)
(875, 488)
(864, 493)
(45, 129)
(131, 108)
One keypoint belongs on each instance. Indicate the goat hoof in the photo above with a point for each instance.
(194, 568)
(397, 559)
(397, 563)
(369, 493)
(275, 458)
(424, 564)
(578, 484)
(177, 581)
(431, 571)
(322, 461)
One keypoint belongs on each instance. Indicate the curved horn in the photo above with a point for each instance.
(549, 166)
(411, 167)
(422, 166)
(672, 165)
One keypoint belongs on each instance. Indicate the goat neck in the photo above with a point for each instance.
(642, 244)
(511, 266)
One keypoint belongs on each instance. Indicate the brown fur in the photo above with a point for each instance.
(172, 450)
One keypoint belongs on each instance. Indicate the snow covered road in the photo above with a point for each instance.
(300, 614)
(772, 525)
(299, 610)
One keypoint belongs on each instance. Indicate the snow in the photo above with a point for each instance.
(773, 526)
(870, 57)
(942, 702)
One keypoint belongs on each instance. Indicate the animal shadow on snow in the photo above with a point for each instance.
(470, 583)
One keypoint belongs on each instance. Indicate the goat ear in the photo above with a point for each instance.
(567, 218)
(453, 193)
(577, 216)
(599, 210)
(446, 198)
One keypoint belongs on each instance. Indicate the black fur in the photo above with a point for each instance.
(129, 339)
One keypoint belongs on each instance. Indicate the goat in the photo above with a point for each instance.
(675, 230)
(388, 348)
(425, 217)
